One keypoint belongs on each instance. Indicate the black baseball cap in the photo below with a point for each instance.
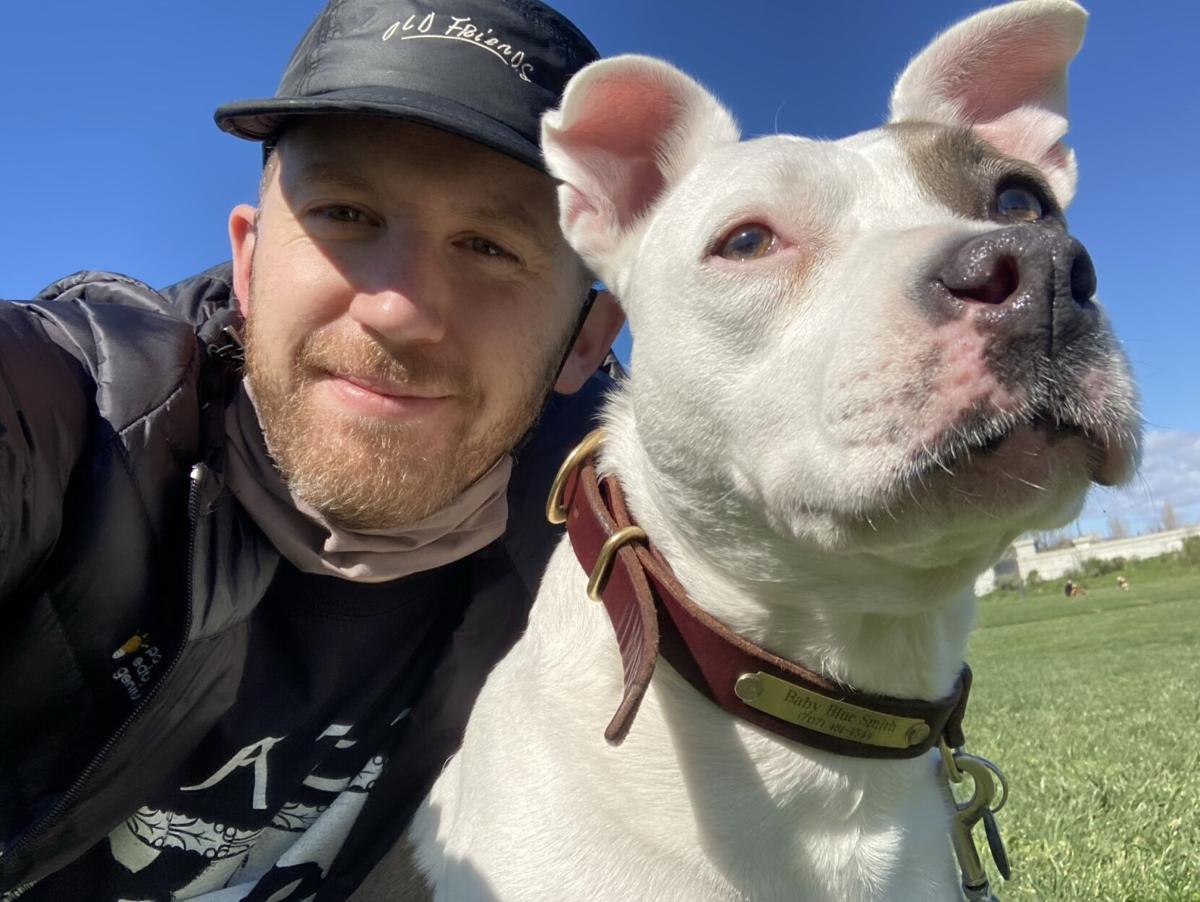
(482, 69)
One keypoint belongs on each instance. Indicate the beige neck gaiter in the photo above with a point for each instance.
(301, 534)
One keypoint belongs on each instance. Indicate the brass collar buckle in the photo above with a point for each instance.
(556, 513)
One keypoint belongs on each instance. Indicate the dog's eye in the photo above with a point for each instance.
(1019, 203)
(747, 242)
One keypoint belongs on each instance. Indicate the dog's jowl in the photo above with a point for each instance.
(861, 368)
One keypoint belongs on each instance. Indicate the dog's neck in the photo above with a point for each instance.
(857, 619)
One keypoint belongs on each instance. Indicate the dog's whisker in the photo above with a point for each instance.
(935, 459)
(915, 500)
(983, 510)
(1032, 485)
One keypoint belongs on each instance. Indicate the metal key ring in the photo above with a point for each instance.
(984, 790)
(1000, 778)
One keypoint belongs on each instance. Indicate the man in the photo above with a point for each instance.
(244, 620)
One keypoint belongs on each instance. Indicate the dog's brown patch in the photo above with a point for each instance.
(959, 170)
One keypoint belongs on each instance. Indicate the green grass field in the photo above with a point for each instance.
(1092, 708)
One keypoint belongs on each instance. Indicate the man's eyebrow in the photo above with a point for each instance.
(331, 173)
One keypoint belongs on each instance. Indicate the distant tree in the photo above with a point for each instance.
(1116, 527)
(1009, 582)
(1170, 520)
(1102, 567)
(1191, 550)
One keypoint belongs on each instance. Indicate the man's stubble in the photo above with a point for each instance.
(371, 473)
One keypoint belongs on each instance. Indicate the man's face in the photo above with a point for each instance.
(410, 297)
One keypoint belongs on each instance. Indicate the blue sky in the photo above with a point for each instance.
(111, 159)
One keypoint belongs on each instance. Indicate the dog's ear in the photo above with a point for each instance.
(1003, 73)
(628, 128)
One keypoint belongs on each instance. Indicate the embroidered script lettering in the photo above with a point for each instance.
(463, 29)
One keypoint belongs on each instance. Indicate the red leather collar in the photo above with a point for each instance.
(652, 615)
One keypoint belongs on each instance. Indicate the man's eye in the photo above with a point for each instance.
(489, 248)
(345, 214)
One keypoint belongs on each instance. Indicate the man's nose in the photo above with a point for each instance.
(405, 298)
(1028, 279)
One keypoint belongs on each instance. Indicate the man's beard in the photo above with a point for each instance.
(372, 473)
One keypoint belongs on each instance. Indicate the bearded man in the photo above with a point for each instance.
(246, 609)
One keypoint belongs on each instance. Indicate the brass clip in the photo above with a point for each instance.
(986, 778)
(556, 513)
(608, 551)
(953, 774)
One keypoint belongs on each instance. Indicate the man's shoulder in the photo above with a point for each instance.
(193, 300)
(200, 297)
(137, 345)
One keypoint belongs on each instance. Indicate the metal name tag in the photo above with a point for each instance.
(813, 711)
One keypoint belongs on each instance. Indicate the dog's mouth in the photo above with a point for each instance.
(1053, 429)
(978, 443)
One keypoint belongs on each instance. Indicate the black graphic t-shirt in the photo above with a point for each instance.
(263, 805)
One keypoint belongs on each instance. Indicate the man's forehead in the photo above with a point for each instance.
(359, 142)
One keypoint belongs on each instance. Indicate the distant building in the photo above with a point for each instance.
(1024, 558)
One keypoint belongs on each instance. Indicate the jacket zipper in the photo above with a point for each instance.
(195, 478)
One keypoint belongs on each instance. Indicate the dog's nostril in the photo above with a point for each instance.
(1000, 281)
(1083, 278)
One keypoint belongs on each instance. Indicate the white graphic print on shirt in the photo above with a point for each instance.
(293, 852)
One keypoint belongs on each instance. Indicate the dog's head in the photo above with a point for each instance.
(888, 343)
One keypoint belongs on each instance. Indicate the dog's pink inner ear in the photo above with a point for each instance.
(998, 72)
(616, 136)
(622, 116)
(628, 129)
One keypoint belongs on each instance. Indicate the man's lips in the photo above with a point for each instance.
(391, 390)
(384, 399)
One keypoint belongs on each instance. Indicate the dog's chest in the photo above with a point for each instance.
(691, 806)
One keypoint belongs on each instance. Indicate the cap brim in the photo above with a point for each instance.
(258, 120)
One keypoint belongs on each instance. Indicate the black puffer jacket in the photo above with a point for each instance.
(114, 521)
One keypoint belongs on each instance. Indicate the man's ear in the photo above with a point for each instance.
(595, 340)
(242, 236)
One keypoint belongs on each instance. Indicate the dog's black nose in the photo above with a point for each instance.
(1034, 278)
(1083, 276)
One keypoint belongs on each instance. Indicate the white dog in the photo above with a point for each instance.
(861, 368)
